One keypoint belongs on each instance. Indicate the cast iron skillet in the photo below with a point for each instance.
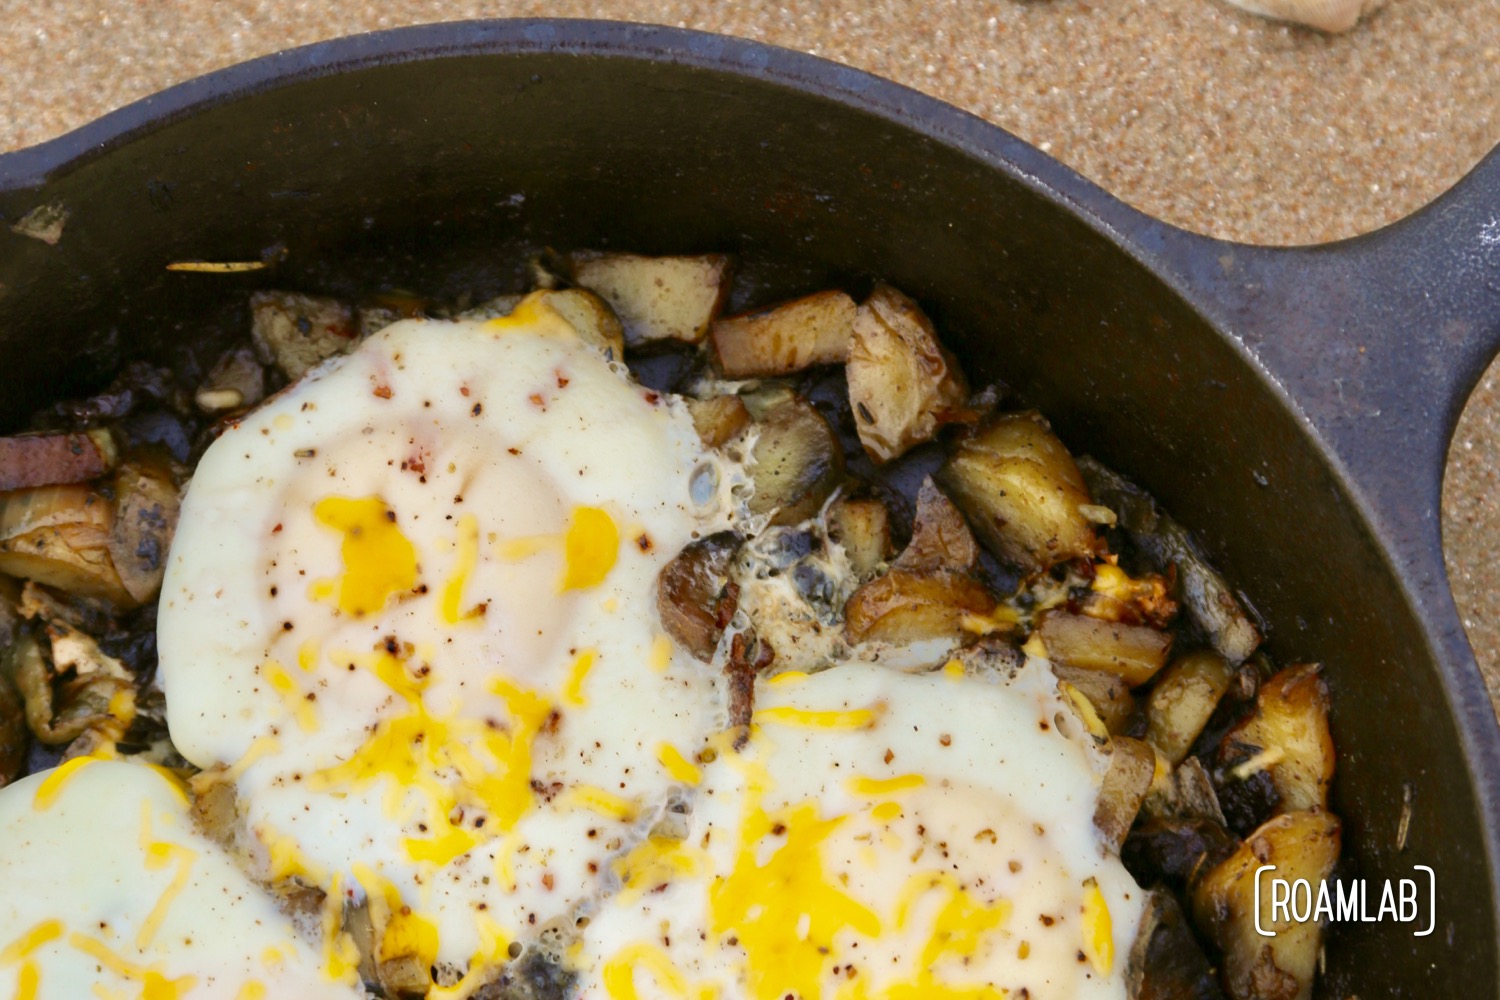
(1292, 406)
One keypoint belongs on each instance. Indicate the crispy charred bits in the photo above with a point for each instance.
(747, 658)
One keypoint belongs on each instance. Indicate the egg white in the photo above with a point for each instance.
(110, 891)
(881, 834)
(410, 612)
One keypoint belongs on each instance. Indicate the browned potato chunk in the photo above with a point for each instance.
(940, 538)
(813, 330)
(1134, 653)
(906, 607)
(59, 536)
(718, 419)
(1290, 723)
(656, 298)
(903, 384)
(1182, 700)
(1302, 845)
(690, 593)
(795, 464)
(28, 460)
(592, 317)
(146, 502)
(1022, 492)
(863, 528)
(1110, 696)
(299, 332)
(1132, 768)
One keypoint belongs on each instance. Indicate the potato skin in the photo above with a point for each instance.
(656, 298)
(863, 528)
(1021, 490)
(940, 539)
(903, 607)
(1134, 653)
(787, 338)
(903, 384)
(1183, 699)
(797, 463)
(1302, 845)
(690, 591)
(28, 460)
(1132, 766)
(718, 419)
(1291, 721)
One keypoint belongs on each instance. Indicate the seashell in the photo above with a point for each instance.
(1325, 15)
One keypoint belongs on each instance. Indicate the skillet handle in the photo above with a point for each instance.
(1378, 341)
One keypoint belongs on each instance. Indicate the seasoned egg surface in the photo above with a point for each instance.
(410, 613)
(111, 892)
(880, 835)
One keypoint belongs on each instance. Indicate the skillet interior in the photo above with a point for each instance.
(437, 176)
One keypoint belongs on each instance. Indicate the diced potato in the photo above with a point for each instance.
(813, 330)
(903, 384)
(297, 333)
(59, 536)
(1110, 696)
(940, 538)
(1290, 724)
(50, 459)
(906, 607)
(1132, 766)
(1186, 791)
(1134, 653)
(796, 463)
(86, 702)
(1022, 493)
(656, 298)
(236, 381)
(718, 419)
(146, 503)
(404, 976)
(1207, 597)
(1183, 699)
(863, 528)
(592, 317)
(690, 593)
(1302, 845)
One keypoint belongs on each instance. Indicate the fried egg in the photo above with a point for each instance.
(410, 613)
(880, 834)
(111, 892)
